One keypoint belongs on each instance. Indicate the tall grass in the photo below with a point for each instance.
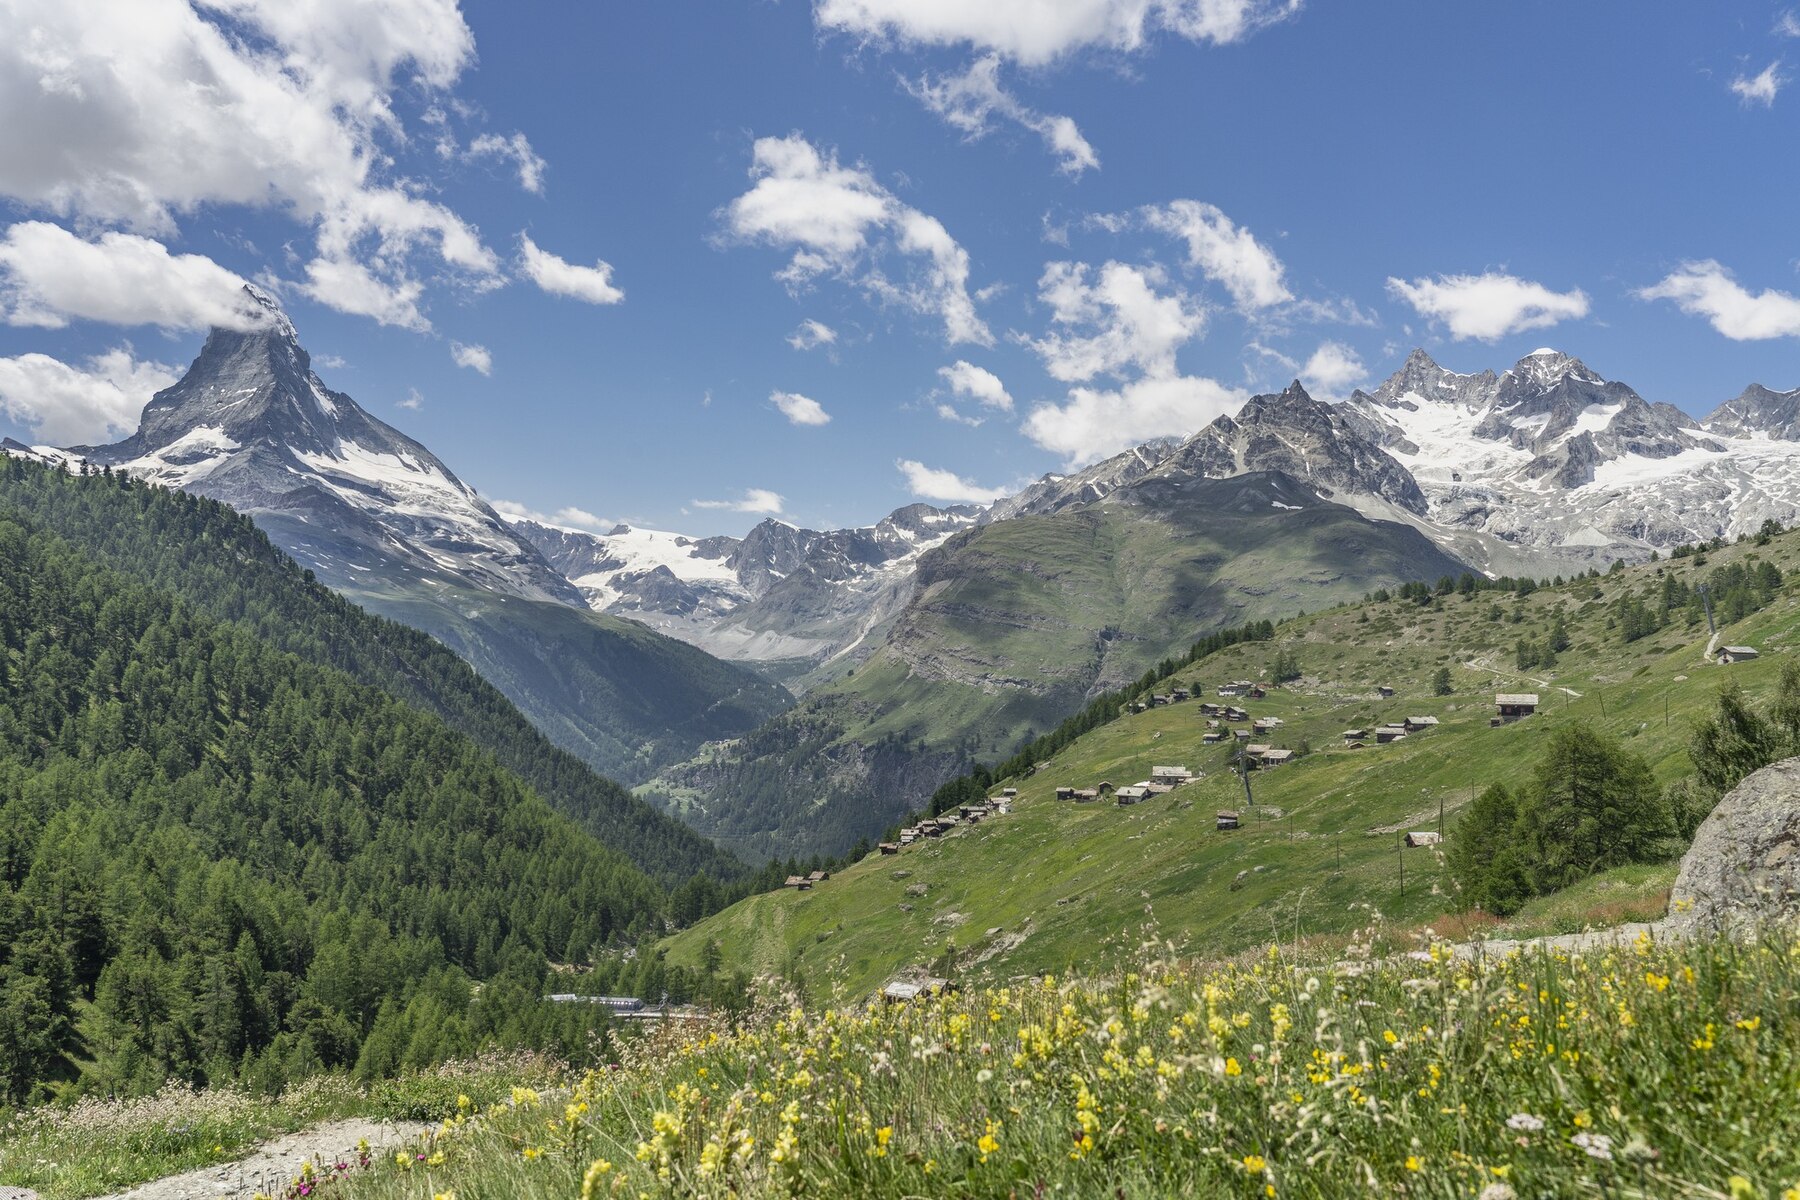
(102, 1144)
(1646, 1070)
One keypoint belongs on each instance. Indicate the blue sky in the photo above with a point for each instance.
(1123, 217)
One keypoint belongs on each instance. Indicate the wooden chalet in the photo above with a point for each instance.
(1212, 738)
(1209, 709)
(1137, 793)
(1227, 819)
(818, 876)
(798, 883)
(1175, 775)
(1010, 793)
(899, 991)
(889, 847)
(1414, 724)
(1384, 691)
(1267, 724)
(1511, 706)
(1065, 793)
(1355, 735)
(1732, 654)
(1087, 795)
(1236, 714)
(1242, 735)
(1276, 758)
(1389, 733)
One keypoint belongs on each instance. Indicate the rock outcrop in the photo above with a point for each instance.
(1743, 869)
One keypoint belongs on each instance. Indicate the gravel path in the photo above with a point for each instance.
(274, 1164)
(1580, 943)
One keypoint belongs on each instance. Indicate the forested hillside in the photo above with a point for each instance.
(219, 860)
(222, 565)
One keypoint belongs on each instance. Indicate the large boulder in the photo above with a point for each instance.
(1744, 867)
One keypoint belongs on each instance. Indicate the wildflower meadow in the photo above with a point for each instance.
(1648, 1069)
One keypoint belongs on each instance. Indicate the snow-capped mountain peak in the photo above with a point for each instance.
(252, 424)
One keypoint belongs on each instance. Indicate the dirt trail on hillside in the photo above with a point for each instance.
(1486, 664)
(272, 1166)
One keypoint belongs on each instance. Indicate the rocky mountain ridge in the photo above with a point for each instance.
(378, 517)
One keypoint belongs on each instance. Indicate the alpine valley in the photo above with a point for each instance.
(941, 637)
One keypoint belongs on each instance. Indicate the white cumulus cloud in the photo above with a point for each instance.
(1490, 306)
(1038, 31)
(49, 276)
(972, 101)
(839, 221)
(754, 500)
(933, 483)
(1332, 371)
(560, 277)
(1707, 289)
(136, 113)
(66, 405)
(798, 409)
(1125, 319)
(1094, 423)
(1762, 87)
(1224, 252)
(476, 358)
(971, 382)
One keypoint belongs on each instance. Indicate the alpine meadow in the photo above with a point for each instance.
(871, 598)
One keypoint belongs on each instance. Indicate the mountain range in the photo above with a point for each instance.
(379, 518)
(941, 635)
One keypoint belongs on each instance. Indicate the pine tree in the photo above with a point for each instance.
(1591, 805)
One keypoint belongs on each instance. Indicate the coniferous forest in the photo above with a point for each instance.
(225, 856)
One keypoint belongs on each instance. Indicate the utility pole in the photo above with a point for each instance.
(1400, 845)
(1706, 601)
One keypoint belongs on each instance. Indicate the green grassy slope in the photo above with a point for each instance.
(1015, 625)
(1063, 884)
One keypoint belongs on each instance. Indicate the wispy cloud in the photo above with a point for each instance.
(972, 101)
(1762, 87)
(811, 334)
(754, 500)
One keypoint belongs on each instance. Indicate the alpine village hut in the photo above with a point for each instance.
(1513, 706)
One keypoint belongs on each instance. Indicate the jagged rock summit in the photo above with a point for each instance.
(253, 425)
